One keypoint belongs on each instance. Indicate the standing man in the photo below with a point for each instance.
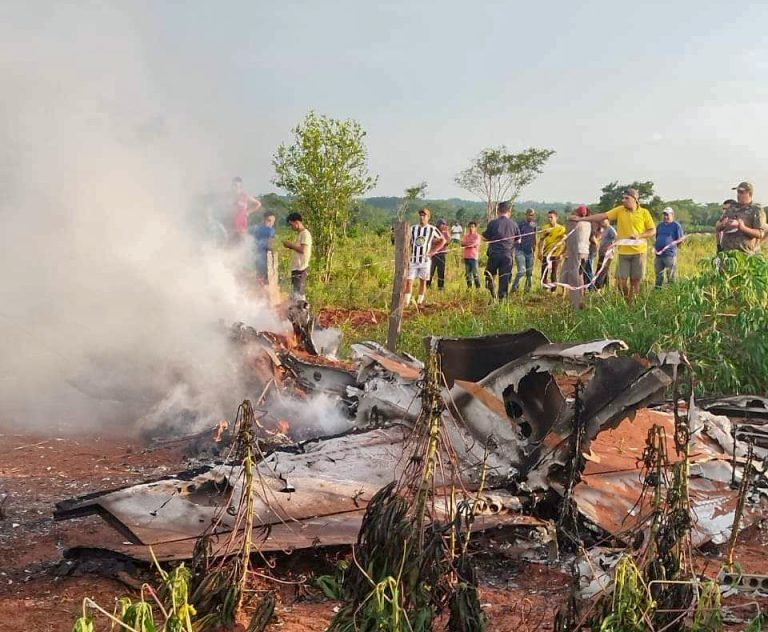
(263, 236)
(302, 252)
(607, 237)
(576, 254)
(438, 259)
(634, 225)
(594, 242)
(525, 249)
(501, 233)
(742, 226)
(551, 248)
(669, 234)
(471, 243)
(457, 231)
(425, 241)
(242, 206)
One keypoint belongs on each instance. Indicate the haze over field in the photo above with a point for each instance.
(111, 299)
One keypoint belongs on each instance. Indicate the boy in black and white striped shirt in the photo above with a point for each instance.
(426, 239)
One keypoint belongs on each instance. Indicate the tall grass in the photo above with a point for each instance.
(718, 319)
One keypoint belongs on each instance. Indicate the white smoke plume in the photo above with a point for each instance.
(111, 299)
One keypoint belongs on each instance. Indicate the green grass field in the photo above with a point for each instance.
(706, 314)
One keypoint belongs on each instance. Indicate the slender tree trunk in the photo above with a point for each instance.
(325, 272)
(490, 208)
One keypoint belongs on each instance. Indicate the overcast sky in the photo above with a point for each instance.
(672, 91)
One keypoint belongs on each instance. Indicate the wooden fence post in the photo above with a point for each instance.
(402, 248)
(273, 286)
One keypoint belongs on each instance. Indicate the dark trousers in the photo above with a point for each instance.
(554, 265)
(438, 264)
(588, 270)
(602, 276)
(299, 282)
(501, 264)
(471, 272)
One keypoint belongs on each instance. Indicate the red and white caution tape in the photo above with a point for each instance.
(670, 245)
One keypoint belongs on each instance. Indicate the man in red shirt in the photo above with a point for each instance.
(242, 206)
(438, 259)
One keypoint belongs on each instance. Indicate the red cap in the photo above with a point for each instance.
(582, 211)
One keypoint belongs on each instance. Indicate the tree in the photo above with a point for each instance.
(273, 202)
(611, 197)
(684, 210)
(706, 214)
(324, 169)
(497, 175)
(411, 195)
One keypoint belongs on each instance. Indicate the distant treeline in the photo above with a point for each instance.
(378, 213)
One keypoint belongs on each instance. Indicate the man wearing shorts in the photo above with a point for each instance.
(634, 225)
(426, 240)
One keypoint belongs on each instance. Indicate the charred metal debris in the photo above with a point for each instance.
(549, 438)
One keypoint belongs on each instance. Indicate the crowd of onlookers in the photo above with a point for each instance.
(239, 224)
(576, 255)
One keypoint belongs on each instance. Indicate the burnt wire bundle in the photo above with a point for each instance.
(409, 566)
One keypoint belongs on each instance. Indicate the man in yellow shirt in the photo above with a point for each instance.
(634, 225)
(552, 247)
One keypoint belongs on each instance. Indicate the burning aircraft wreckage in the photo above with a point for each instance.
(527, 426)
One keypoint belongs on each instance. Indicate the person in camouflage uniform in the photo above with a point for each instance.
(742, 226)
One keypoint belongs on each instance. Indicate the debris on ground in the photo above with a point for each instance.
(507, 421)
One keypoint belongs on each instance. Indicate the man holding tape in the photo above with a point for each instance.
(669, 234)
(634, 225)
(502, 235)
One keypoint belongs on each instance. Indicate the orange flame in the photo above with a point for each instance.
(221, 428)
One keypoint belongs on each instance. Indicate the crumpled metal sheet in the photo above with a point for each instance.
(581, 352)
(612, 483)
(753, 407)
(319, 376)
(387, 387)
(520, 410)
(311, 494)
(472, 359)
(375, 359)
(513, 423)
(316, 478)
(323, 531)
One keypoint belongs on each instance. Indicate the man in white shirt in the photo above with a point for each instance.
(302, 252)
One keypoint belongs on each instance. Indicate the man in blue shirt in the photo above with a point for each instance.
(669, 234)
(501, 235)
(524, 250)
(263, 235)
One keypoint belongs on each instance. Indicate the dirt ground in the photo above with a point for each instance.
(40, 592)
